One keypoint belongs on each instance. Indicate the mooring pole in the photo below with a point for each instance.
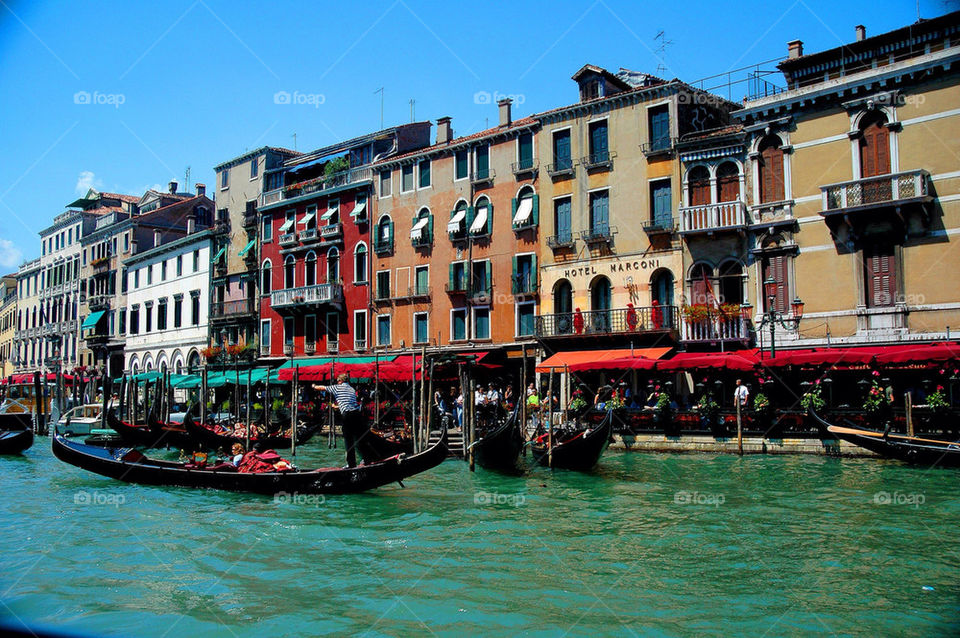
(550, 420)
(739, 427)
(908, 406)
(203, 396)
(295, 411)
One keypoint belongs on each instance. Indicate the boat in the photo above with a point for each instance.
(171, 433)
(140, 435)
(132, 466)
(374, 446)
(500, 448)
(15, 441)
(207, 437)
(910, 449)
(576, 450)
(81, 420)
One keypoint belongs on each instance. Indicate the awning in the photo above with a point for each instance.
(626, 363)
(564, 360)
(285, 226)
(417, 231)
(217, 257)
(835, 356)
(92, 319)
(523, 210)
(246, 249)
(741, 361)
(932, 352)
(454, 225)
(308, 218)
(330, 213)
(360, 206)
(316, 361)
(480, 221)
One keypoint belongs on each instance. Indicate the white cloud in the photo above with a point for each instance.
(86, 181)
(10, 255)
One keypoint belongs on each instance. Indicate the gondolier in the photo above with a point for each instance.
(353, 422)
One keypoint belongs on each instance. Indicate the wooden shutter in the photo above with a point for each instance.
(535, 214)
(776, 267)
(563, 220)
(881, 276)
(875, 150)
(771, 175)
(662, 204)
(561, 150)
(728, 187)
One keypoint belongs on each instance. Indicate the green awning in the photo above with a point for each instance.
(93, 319)
(317, 361)
(247, 248)
(219, 255)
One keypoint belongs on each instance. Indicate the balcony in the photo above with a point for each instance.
(885, 192)
(480, 292)
(662, 146)
(419, 292)
(598, 161)
(250, 220)
(715, 329)
(309, 348)
(287, 239)
(602, 234)
(317, 295)
(618, 321)
(382, 246)
(654, 227)
(102, 264)
(458, 287)
(711, 218)
(561, 241)
(308, 235)
(562, 168)
(425, 238)
(772, 214)
(99, 302)
(331, 232)
(524, 284)
(525, 168)
(482, 176)
(318, 185)
(359, 344)
(333, 346)
(225, 309)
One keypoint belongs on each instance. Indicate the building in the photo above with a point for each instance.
(315, 238)
(456, 241)
(8, 324)
(854, 194)
(235, 300)
(168, 299)
(29, 346)
(118, 235)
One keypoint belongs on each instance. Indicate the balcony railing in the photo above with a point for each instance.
(307, 295)
(713, 217)
(561, 168)
(660, 226)
(310, 234)
(331, 232)
(659, 146)
(359, 344)
(607, 322)
(481, 176)
(99, 301)
(874, 192)
(564, 240)
(419, 291)
(425, 238)
(251, 220)
(287, 239)
(333, 346)
(480, 292)
(524, 284)
(602, 233)
(309, 347)
(457, 287)
(715, 329)
(596, 161)
(382, 246)
(525, 167)
(317, 185)
(233, 308)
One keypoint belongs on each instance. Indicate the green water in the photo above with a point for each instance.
(658, 545)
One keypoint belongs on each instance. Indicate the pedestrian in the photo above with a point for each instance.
(740, 395)
(354, 425)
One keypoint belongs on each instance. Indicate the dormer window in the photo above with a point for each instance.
(590, 90)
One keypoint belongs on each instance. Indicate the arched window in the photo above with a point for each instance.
(770, 170)
(562, 306)
(731, 283)
(458, 216)
(728, 182)
(600, 293)
(874, 146)
(333, 266)
(383, 241)
(482, 221)
(421, 228)
(661, 287)
(525, 207)
(266, 271)
(700, 285)
(698, 186)
(360, 263)
(289, 272)
(310, 269)
(193, 361)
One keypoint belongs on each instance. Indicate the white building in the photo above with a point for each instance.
(168, 299)
(29, 346)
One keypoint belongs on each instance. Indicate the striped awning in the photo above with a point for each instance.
(711, 153)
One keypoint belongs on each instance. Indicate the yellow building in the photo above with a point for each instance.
(8, 324)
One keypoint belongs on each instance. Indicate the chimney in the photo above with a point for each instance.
(192, 221)
(861, 33)
(504, 105)
(794, 49)
(172, 186)
(201, 190)
(157, 235)
(444, 132)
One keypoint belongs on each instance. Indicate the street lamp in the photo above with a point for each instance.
(771, 316)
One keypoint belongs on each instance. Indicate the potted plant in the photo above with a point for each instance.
(708, 409)
(938, 401)
(578, 404)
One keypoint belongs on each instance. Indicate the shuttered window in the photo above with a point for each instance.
(880, 267)
(775, 267)
(728, 182)
(698, 186)
(875, 148)
(770, 166)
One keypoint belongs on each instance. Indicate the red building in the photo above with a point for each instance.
(315, 245)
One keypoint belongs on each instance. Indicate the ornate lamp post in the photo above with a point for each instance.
(771, 316)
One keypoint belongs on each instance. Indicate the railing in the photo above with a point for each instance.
(525, 166)
(310, 234)
(287, 239)
(331, 231)
(524, 284)
(561, 168)
(600, 234)
(359, 344)
(713, 217)
(607, 322)
(771, 212)
(381, 246)
(425, 238)
(603, 159)
(99, 301)
(715, 329)
(657, 146)
(231, 308)
(318, 294)
(565, 240)
(249, 221)
(480, 176)
(309, 348)
(458, 287)
(873, 191)
(317, 185)
(419, 291)
(333, 346)
(382, 293)
(660, 226)
(480, 292)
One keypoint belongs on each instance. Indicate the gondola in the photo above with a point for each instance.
(126, 464)
(172, 434)
(374, 446)
(139, 435)
(16, 421)
(579, 450)
(910, 449)
(207, 437)
(15, 441)
(500, 449)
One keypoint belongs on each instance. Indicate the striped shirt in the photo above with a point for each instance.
(345, 397)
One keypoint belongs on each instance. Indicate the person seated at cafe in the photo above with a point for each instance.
(237, 454)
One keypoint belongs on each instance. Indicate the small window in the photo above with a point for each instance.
(525, 319)
(195, 308)
(458, 324)
(421, 280)
(599, 149)
(265, 334)
(254, 167)
(659, 126)
(482, 159)
(267, 227)
(424, 173)
(163, 270)
(179, 265)
(462, 165)
(420, 328)
(136, 279)
(225, 179)
(360, 264)
(385, 183)
(288, 332)
(599, 213)
(162, 314)
(383, 330)
(406, 178)
(525, 151)
(359, 329)
(562, 159)
(150, 275)
(196, 261)
(383, 284)
(178, 311)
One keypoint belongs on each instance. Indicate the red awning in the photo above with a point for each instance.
(566, 360)
(625, 363)
(740, 360)
(927, 353)
(27, 377)
(834, 356)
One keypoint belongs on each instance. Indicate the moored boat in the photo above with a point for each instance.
(15, 441)
(374, 446)
(207, 437)
(577, 450)
(500, 447)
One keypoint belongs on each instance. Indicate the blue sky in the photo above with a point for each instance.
(194, 82)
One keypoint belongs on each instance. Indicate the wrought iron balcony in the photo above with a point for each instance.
(250, 220)
(308, 235)
(307, 296)
(714, 329)
(457, 287)
(425, 238)
(287, 239)
(482, 176)
(317, 185)
(601, 234)
(616, 321)
(661, 146)
(416, 292)
(524, 284)
(666, 226)
(710, 218)
(480, 292)
(564, 240)
(382, 246)
(876, 192)
(561, 168)
(233, 308)
(597, 161)
(525, 167)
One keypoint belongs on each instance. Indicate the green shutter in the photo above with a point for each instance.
(513, 211)
(536, 210)
(489, 218)
(392, 235)
(515, 278)
(533, 272)
(452, 277)
(430, 228)
(468, 222)
(489, 268)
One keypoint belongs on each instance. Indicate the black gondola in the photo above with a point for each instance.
(171, 434)
(500, 448)
(207, 437)
(15, 441)
(126, 464)
(910, 449)
(16, 421)
(374, 446)
(139, 435)
(577, 450)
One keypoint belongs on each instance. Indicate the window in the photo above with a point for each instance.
(420, 328)
(421, 228)
(333, 332)
(458, 324)
(179, 265)
(383, 241)
(561, 151)
(661, 204)
(383, 284)
(406, 178)
(480, 282)
(659, 125)
(333, 266)
(254, 167)
(599, 213)
(134, 320)
(360, 263)
(126, 242)
(770, 169)
(424, 173)
(309, 221)
(162, 314)
(288, 332)
(332, 215)
(383, 330)
(698, 186)
(310, 266)
(524, 274)
(599, 149)
(525, 319)
(163, 270)
(289, 272)
(728, 182)
(267, 227)
(776, 267)
(359, 329)
(123, 278)
(421, 280)
(880, 271)
(462, 165)
(589, 90)
(731, 283)
(196, 261)
(225, 179)
(310, 330)
(178, 311)
(526, 209)
(265, 274)
(481, 323)
(150, 274)
(195, 308)
(385, 183)
(148, 317)
(562, 220)
(700, 286)
(525, 151)
(458, 223)
(265, 335)
(874, 148)
(482, 223)
(458, 277)
(482, 161)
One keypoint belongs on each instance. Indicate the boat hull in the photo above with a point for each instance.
(500, 450)
(582, 452)
(15, 441)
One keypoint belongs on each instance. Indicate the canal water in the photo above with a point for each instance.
(661, 545)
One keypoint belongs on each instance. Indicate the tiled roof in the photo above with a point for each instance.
(521, 123)
(712, 133)
(132, 199)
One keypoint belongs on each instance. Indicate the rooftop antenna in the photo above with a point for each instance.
(186, 180)
(380, 91)
(294, 136)
(662, 43)
(412, 111)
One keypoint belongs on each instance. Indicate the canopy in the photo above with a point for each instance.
(562, 360)
(285, 226)
(417, 231)
(330, 213)
(246, 249)
(932, 352)
(217, 257)
(308, 217)
(360, 206)
(625, 363)
(27, 377)
(453, 226)
(480, 221)
(93, 319)
(523, 210)
(741, 360)
(834, 356)
(315, 361)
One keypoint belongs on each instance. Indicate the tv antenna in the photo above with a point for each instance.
(294, 136)
(660, 51)
(380, 91)
(186, 180)
(413, 111)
